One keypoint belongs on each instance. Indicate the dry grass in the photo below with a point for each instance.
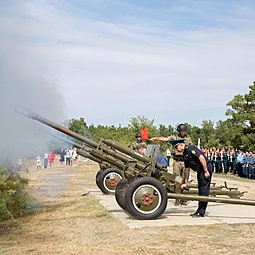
(62, 221)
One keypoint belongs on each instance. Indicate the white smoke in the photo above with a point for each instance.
(25, 81)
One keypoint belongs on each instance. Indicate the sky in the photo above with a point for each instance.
(111, 60)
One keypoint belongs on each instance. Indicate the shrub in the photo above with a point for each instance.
(13, 196)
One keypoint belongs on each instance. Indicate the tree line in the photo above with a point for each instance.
(238, 131)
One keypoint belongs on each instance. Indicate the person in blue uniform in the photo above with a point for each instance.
(252, 166)
(245, 164)
(141, 148)
(240, 162)
(196, 160)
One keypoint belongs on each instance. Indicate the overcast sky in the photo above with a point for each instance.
(110, 60)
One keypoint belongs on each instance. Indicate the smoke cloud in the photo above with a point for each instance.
(25, 81)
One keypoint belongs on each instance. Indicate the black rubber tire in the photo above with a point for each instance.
(146, 198)
(98, 176)
(108, 180)
(120, 192)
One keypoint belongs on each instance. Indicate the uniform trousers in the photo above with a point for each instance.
(252, 171)
(203, 187)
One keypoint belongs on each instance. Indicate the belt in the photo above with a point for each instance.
(178, 158)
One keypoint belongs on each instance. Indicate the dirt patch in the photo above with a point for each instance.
(63, 218)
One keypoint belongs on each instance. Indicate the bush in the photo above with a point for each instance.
(13, 196)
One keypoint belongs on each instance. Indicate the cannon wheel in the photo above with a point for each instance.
(98, 176)
(120, 192)
(146, 198)
(108, 180)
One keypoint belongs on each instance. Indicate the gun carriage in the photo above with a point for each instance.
(141, 186)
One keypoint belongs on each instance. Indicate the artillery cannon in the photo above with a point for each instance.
(142, 186)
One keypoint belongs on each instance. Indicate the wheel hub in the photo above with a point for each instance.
(113, 182)
(147, 199)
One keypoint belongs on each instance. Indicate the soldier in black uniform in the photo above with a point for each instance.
(197, 161)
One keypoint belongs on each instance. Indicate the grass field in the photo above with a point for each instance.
(60, 219)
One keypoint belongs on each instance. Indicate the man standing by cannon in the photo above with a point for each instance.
(178, 163)
(196, 160)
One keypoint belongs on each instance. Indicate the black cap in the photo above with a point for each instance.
(138, 135)
(182, 127)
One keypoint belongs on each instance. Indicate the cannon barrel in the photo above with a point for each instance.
(28, 113)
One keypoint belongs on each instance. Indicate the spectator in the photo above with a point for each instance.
(233, 161)
(80, 159)
(168, 156)
(252, 165)
(38, 162)
(68, 157)
(62, 156)
(71, 155)
(245, 164)
(218, 164)
(74, 157)
(51, 158)
(45, 160)
(225, 158)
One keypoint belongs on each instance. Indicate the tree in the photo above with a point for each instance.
(224, 135)
(195, 133)
(165, 131)
(207, 134)
(136, 125)
(78, 126)
(242, 116)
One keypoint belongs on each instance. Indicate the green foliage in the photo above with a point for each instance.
(79, 126)
(139, 122)
(195, 134)
(243, 109)
(248, 142)
(136, 125)
(12, 194)
(242, 119)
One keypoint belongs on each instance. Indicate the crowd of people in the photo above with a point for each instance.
(68, 157)
(235, 161)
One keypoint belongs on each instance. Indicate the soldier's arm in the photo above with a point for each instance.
(203, 162)
(204, 165)
(160, 138)
(163, 139)
(186, 173)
